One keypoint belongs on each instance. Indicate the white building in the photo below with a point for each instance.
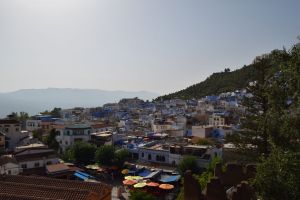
(204, 107)
(216, 120)
(73, 133)
(154, 153)
(12, 130)
(35, 156)
(9, 165)
(202, 131)
(160, 127)
(203, 153)
(32, 124)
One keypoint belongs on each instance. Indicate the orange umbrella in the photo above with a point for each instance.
(153, 184)
(129, 182)
(166, 186)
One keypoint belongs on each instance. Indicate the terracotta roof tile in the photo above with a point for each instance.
(42, 187)
(56, 168)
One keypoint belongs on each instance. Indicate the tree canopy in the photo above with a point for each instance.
(141, 195)
(271, 127)
(105, 155)
(278, 177)
(80, 153)
(217, 83)
(51, 141)
(120, 156)
(188, 163)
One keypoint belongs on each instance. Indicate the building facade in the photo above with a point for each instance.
(72, 134)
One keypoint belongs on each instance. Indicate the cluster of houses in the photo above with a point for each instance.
(159, 132)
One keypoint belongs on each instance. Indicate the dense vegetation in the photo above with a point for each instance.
(271, 128)
(217, 83)
(141, 195)
(84, 153)
(107, 155)
(80, 153)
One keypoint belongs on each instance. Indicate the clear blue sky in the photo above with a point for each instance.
(154, 45)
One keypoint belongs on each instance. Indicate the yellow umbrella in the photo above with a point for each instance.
(129, 177)
(125, 171)
(140, 185)
(137, 177)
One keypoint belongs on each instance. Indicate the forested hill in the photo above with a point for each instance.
(225, 81)
(216, 84)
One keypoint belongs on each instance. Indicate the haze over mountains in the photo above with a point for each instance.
(34, 101)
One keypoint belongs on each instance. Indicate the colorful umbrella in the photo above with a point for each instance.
(129, 182)
(166, 186)
(140, 185)
(153, 184)
(125, 171)
(129, 178)
(137, 177)
(133, 178)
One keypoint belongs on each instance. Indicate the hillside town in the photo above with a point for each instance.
(149, 100)
(156, 136)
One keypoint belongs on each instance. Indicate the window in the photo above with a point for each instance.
(9, 172)
(48, 163)
(160, 158)
(142, 155)
(66, 142)
(37, 164)
(24, 166)
(149, 157)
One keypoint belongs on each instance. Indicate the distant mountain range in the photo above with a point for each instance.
(34, 101)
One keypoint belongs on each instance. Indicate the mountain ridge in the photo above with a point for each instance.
(216, 83)
(37, 100)
(227, 81)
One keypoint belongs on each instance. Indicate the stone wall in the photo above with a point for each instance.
(228, 185)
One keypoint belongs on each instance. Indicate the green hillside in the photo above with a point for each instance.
(216, 84)
(226, 81)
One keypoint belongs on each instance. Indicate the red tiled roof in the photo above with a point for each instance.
(44, 188)
(9, 121)
(55, 168)
(37, 156)
(41, 191)
(21, 197)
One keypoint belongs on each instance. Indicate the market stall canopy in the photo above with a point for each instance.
(153, 184)
(169, 179)
(133, 177)
(153, 174)
(140, 185)
(129, 182)
(166, 186)
(144, 173)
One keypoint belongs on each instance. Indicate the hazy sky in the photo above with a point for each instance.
(155, 45)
